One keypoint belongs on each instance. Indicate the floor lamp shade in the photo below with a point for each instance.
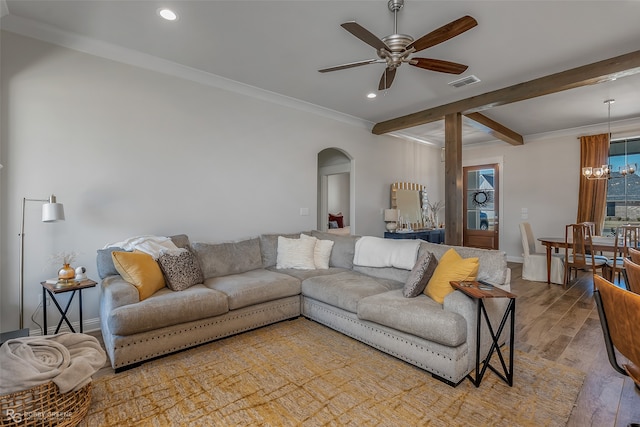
(52, 211)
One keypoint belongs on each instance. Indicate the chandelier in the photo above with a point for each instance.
(604, 171)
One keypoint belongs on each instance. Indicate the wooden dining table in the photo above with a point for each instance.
(599, 243)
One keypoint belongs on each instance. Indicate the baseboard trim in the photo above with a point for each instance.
(90, 325)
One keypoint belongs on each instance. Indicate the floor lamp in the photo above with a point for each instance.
(51, 212)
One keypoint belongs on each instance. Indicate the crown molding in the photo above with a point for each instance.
(74, 41)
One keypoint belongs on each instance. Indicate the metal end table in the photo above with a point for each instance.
(58, 288)
(480, 291)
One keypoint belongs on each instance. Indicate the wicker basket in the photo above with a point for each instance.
(43, 405)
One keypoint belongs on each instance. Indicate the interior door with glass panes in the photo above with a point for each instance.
(481, 206)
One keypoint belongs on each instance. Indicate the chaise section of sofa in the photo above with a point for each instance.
(369, 305)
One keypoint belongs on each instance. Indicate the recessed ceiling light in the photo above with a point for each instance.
(167, 14)
(371, 95)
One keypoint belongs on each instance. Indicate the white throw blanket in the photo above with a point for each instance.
(67, 359)
(152, 245)
(378, 252)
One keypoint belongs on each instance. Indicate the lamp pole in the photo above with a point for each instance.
(51, 212)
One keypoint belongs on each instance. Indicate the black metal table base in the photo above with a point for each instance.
(63, 313)
(481, 366)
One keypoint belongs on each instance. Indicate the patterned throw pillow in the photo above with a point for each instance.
(420, 275)
(180, 271)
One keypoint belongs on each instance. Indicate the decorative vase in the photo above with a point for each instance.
(66, 273)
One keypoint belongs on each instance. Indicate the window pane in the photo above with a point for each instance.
(623, 191)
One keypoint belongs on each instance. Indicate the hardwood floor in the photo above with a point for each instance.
(563, 325)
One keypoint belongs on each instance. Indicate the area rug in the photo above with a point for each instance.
(302, 373)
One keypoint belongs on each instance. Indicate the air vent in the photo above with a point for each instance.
(465, 81)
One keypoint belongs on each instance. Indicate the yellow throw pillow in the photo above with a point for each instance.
(139, 269)
(451, 267)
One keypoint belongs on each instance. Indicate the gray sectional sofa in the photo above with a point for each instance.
(242, 290)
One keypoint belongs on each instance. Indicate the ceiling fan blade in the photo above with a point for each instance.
(351, 65)
(444, 33)
(365, 35)
(387, 78)
(438, 65)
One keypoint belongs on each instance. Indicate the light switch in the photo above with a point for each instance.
(304, 211)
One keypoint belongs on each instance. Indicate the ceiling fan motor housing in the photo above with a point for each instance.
(397, 42)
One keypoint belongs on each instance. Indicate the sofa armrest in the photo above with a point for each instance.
(116, 292)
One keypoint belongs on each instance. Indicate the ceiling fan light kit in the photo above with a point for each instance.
(396, 49)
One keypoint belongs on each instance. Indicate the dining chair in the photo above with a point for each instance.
(626, 237)
(579, 251)
(634, 254)
(534, 263)
(619, 312)
(632, 275)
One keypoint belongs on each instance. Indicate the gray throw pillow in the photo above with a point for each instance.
(420, 275)
(224, 259)
(104, 262)
(181, 241)
(180, 271)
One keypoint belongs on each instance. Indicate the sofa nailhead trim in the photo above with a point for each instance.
(206, 340)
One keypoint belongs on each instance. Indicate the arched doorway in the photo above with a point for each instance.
(335, 188)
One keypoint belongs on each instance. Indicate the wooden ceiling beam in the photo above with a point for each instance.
(494, 128)
(598, 72)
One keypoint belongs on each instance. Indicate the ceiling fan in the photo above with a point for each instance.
(397, 48)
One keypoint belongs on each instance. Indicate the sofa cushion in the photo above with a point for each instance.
(104, 261)
(420, 275)
(269, 247)
(254, 287)
(141, 270)
(420, 316)
(167, 308)
(344, 248)
(451, 267)
(181, 241)
(180, 271)
(222, 259)
(296, 253)
(344, 290)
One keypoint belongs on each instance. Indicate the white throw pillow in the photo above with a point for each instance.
(321, 252)
(295, 253)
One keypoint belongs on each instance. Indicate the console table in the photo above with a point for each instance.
(433, 236)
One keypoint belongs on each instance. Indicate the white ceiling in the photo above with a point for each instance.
(278, 46)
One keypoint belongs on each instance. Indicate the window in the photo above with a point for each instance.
(623, 191)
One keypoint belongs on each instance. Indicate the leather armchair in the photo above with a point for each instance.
(619, 312)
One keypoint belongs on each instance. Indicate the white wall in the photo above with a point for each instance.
(130, 151)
